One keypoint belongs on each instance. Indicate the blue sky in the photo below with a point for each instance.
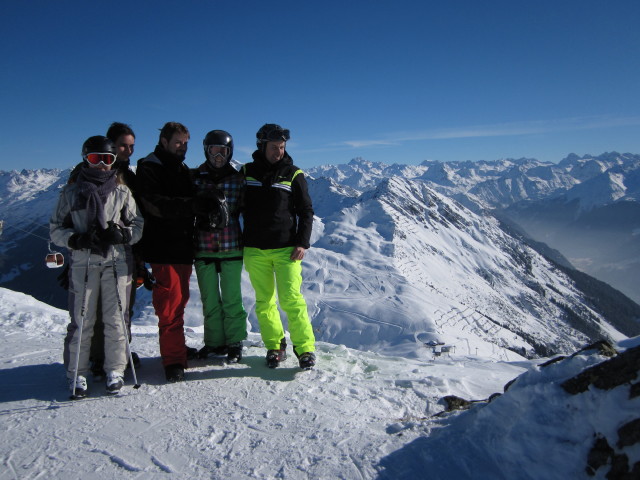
(400, 81)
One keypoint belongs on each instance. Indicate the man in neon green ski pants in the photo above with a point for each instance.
(273, 268)
(278, 218)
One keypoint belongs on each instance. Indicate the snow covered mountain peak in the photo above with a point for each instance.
(602, 189)
(27, 196)
(20, 186)
(489, 184)
(410, 265)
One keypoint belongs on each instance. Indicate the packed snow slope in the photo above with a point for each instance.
(357, 415)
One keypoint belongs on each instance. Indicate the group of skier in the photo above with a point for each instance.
(166, 215)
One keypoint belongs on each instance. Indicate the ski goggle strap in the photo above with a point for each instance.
(98, 158)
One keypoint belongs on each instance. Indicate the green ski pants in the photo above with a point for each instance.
(219, 277)
(270, 270)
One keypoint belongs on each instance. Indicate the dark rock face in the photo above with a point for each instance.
(456, 403)
(629, 434)
(599, 456)
(618, 371)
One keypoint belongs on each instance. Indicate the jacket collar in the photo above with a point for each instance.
(260, 159)
(166, 157)
(216, 173)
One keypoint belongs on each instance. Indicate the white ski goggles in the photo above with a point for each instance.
(98, 158)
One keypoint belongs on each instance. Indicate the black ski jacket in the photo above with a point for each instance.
(277, 209)
(166, 196)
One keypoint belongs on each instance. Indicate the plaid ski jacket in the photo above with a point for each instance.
(230, 182)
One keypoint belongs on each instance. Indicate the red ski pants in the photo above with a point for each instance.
(170, 296)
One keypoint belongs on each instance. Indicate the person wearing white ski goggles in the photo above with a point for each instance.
(97, 159)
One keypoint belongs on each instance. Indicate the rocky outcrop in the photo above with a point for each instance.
(621, 370)
(614, 456)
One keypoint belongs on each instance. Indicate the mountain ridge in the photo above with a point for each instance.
(422, 265)
(552, 203)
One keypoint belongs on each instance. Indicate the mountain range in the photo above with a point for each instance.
(404, 257)
(587, 208)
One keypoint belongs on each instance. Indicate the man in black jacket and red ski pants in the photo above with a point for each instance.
(169, 205)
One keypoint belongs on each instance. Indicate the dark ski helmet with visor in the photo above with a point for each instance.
(218, 138)
(271, 132)
(99, 149)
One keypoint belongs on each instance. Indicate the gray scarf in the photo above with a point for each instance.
(94, 187)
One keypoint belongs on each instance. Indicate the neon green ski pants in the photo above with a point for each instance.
(270, 270)
(219, 277)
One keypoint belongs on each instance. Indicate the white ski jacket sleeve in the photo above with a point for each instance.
(120, 208)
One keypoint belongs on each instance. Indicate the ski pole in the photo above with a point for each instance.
(136, 385)
(81, 325)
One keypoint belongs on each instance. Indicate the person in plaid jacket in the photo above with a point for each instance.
(218, 258)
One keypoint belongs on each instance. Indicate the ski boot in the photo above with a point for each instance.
(274, 357)
(174, 373)
(80, 390)
(205, 351)
(115, 382)
(234, 352)
(307, 360)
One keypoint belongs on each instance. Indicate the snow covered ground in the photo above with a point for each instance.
(357, 415)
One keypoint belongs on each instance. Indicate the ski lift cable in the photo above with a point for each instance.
(53, 259)
(24, 231)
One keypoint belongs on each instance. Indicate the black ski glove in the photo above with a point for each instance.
(219, 218)
(212, 210)
(114, 234)
(81, 241)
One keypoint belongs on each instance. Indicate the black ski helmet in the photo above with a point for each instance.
(271, 132)
(98, 144)
(218, 138)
